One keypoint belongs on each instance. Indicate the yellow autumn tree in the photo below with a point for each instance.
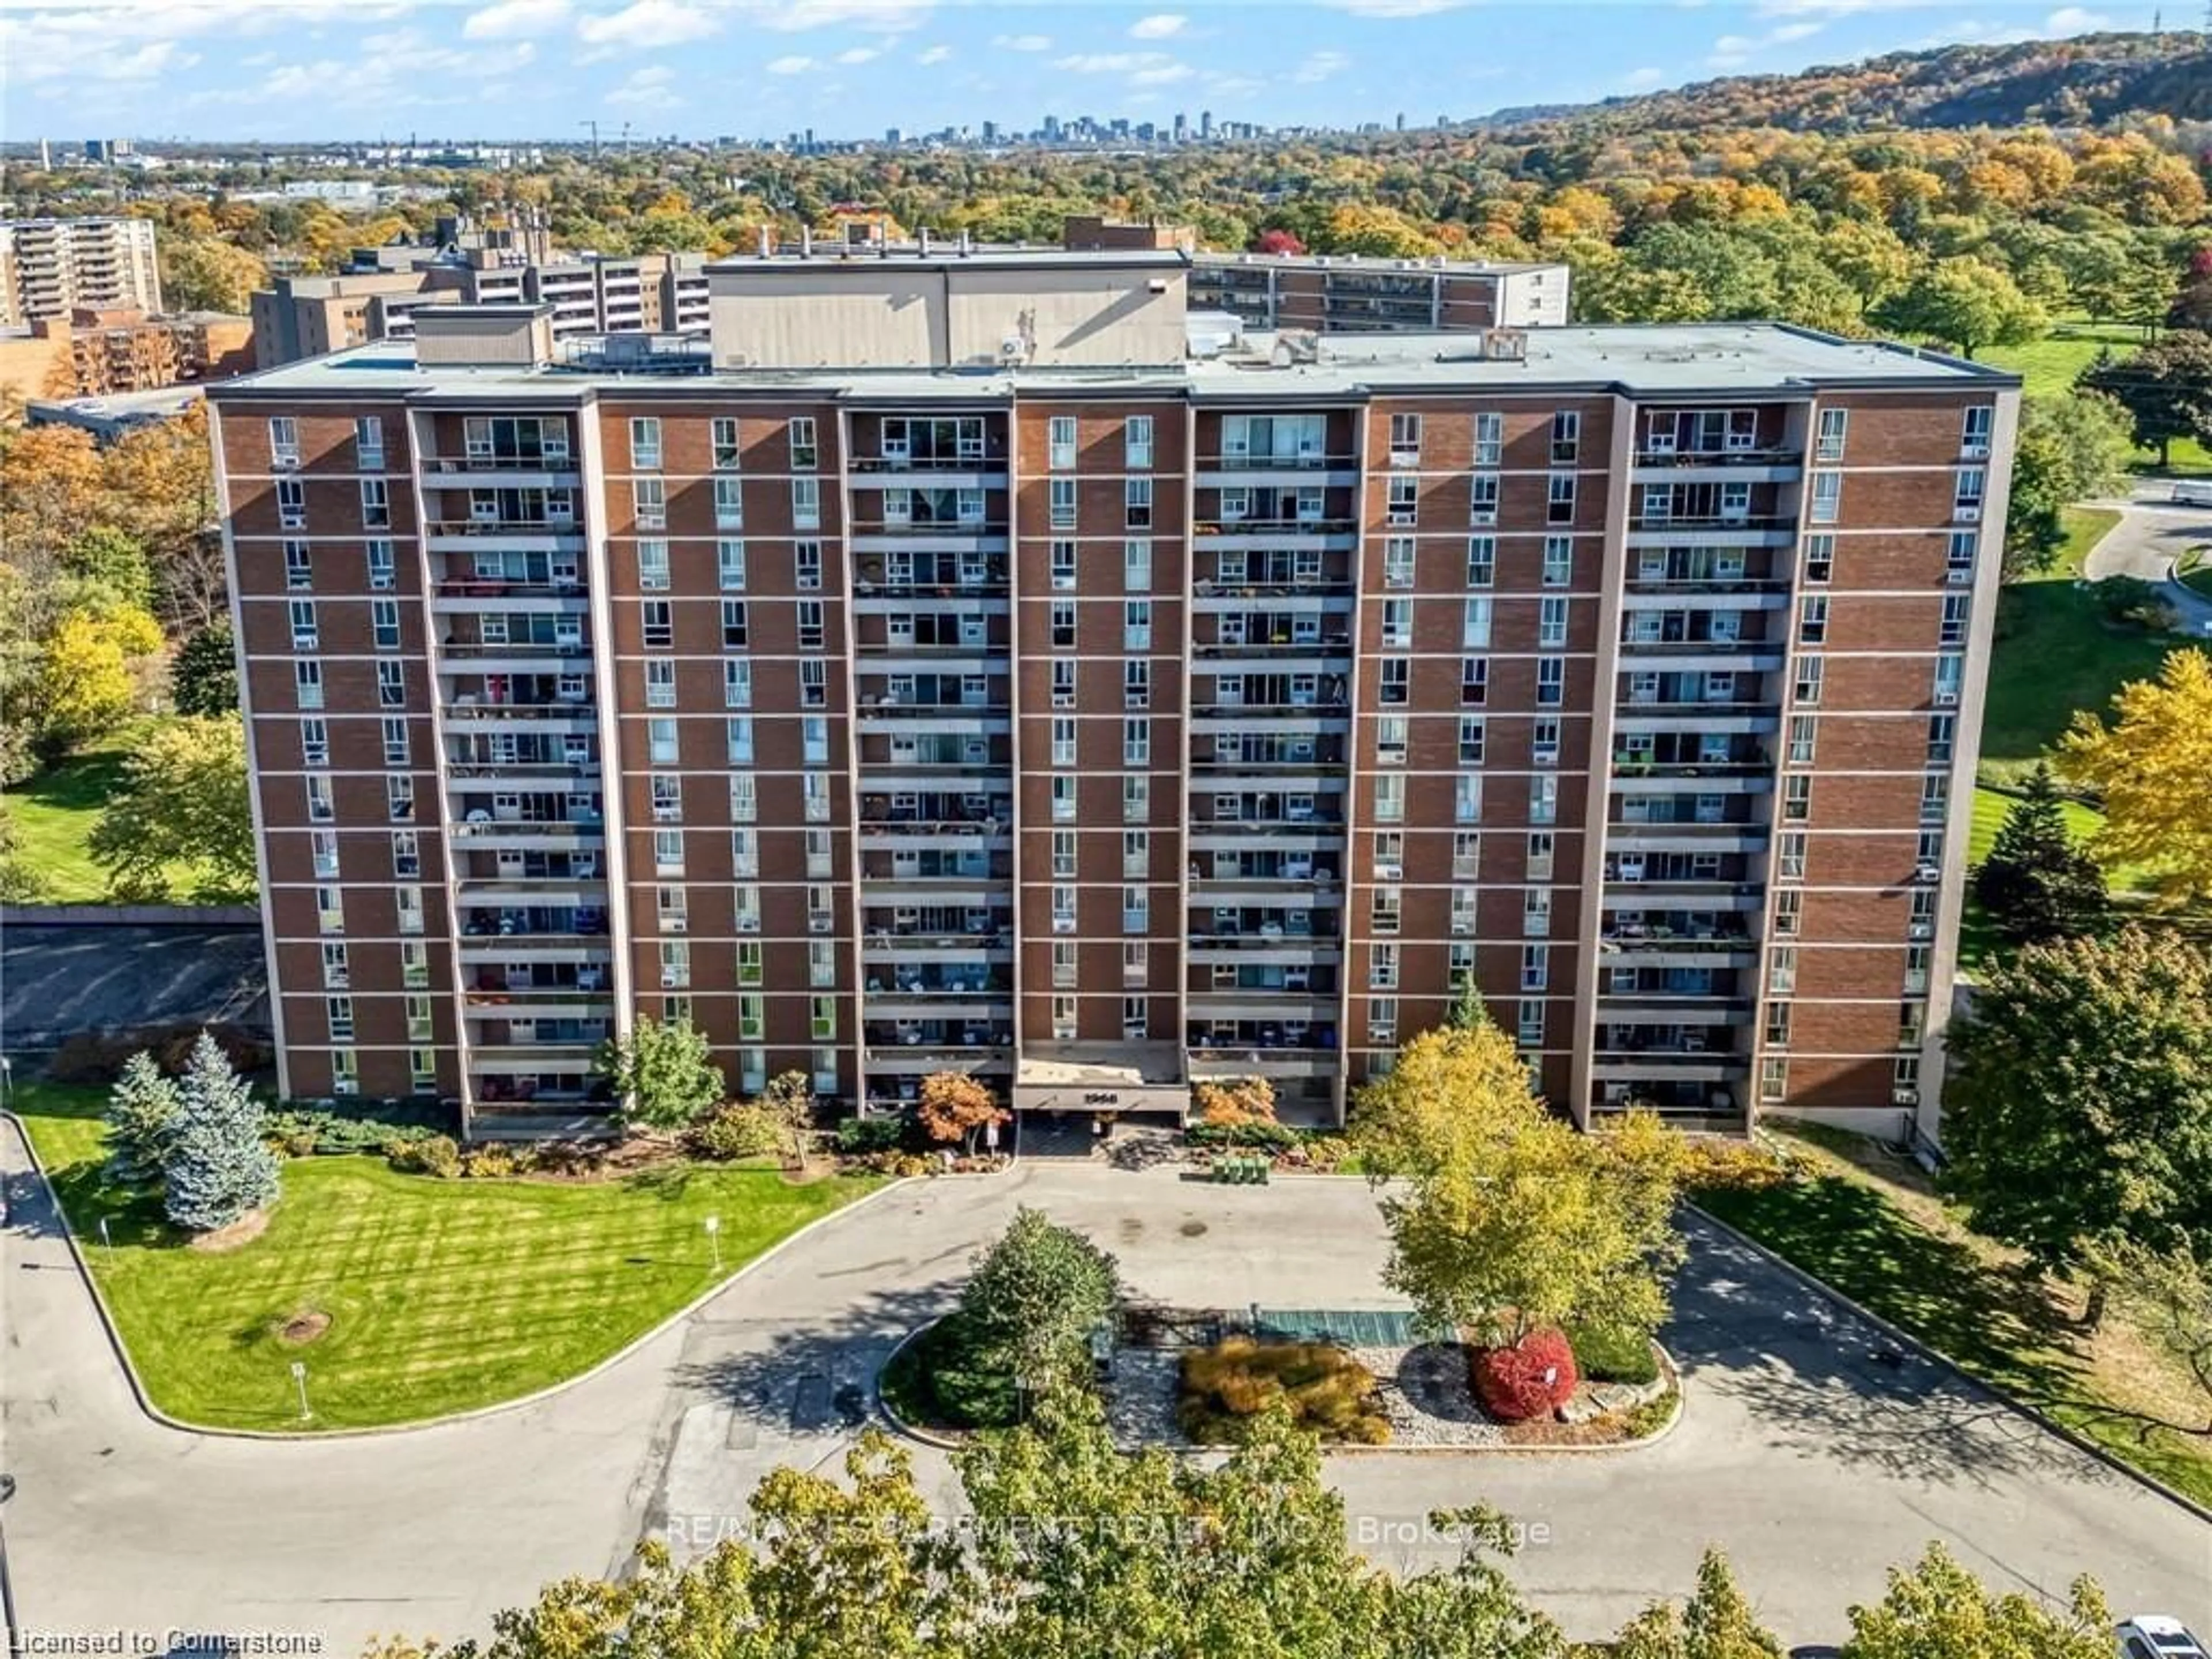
(86, 684)
(2151, 763)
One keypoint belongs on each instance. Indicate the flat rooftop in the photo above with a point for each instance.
(1662, 359)
(828, 255)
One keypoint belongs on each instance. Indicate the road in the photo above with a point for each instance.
(1812, 1464)
(2151, 534)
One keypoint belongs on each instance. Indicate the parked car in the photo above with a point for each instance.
(2155, 1636)
(2192, 492)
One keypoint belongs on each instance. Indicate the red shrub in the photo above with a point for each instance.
(1531, 1379)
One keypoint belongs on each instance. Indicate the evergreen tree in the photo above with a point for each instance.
(218, 1168)
(204, 678)
(142, 1122)
(2037, 884)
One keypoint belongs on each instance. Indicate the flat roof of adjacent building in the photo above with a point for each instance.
(1663, 359)
(1219, 258)
(829, 254)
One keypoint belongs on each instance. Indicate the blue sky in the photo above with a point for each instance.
(287, 70)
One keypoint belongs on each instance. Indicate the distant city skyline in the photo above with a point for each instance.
(303, 71)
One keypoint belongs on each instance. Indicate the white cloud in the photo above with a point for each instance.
(1782, 33)
(1320, 65)
(875, 17)
(1643, 80)
(1109, 63)
(645, 24)
(933, 55)
(857, 54)
(646, 88)
(793, 65)
(1397, 8)
(510, 20)
(2074, 19)
(1022, 42)
(1734, 51)
(1162, 75)
(1160, 25)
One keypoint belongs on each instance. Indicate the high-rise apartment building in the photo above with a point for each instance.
(51, 267)
(938, 668)
(1345, 294)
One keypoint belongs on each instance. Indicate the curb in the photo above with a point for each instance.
(154, 1413)
(930, 1438)
(1897, 1333)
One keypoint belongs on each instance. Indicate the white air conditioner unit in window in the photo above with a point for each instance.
(1922, 930)
(1905, 1096)
(1926, 872)
(1967, 515)
(667, 815)
(1959, 575)
(285, 460)
(1975, 452)
(821, 924)
(1389, 872)
(1946, 699)
(674, 924)
(669, 982)
(749, 924)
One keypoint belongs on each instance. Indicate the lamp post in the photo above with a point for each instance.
(713, 1224)
(299, 1381)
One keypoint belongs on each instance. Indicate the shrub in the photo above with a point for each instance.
(735, 1130)
(1533, 1378)
(1266, 1137)
(97, 1058)
(1710, 1162)
(857, 1136)
(1605, 1355)
(2132, 601)
(956, 1107)
(1029, 1308)
(1249, 1100)
(487, 1164)
(304, 1131)
(1322, 1387)
(432, 1155)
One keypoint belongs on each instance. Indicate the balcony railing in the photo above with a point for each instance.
(1630, 766)
(1293, 527)
(1689, 588)
(1325, 586)
(1713, 521)
(453, 463)
(505, 527)
(1329, 645)
(924, 588)
(486, 587)
(996, 463)
(1233, 710)
(1776, 457)
(1247, 462)
(1663, 938)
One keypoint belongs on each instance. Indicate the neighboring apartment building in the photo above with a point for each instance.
(307, 316)
(98, 354)
(51, 267)
(1345, 294)
(941, 670)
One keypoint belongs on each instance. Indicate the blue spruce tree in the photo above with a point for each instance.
(218, 1167)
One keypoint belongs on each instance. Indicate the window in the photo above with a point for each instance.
(813, 682)
(1782, 970)
(1466, 798)
(1061, 443)
(1966, 499)
(1381, 967)
(1135, 910)
(806, 566)
(1560, 501)
(1063, 798)
(722, 433)
(395, 742)
(648, 501)
(330, 910)
(1829, 446)
(1473, 682)
(1389, 799)
(1827, 497)
(813, 627)
(1137, 503)
(1974, 431)
(1136, 743)
(1788, 912)
(1551, 681)
(1544, 743)
(822, 1019)
(1063, 566)
(1950, 671)
(1136, 799)
(1935, 798)
(806, 503)
(656, 625)
(1060, 620)
(406, 854)
(805, 454)
(1482, 498)
(1552, 623)
(307, 684)
(408, 902)
(1536, 967)
(1808, 688)
(645, 443)
(1481, 561)
(1566, 437)
(1405, 439)
(1798, 797)
(1384, 910)
(737, 685)
(1383, 1019)
(1958, 558)
(1136, 684)
(659, 682)
(1137, 625)
(1543, 798)
(653, 567)
(1137, 443)
(1916, 969)
(1063, 741)
(1942, 732)
(1489, 440)
(303, 624)
(1819, 559)
(1954, 620)
(1558, 560)
(1398, 624)
(1404, 504)
(668, 852)
(1062, 503)
(369, 443)
(1063, 685)
(1398, 562)
(1137, 853)
(1773, 1079)
(1538, 858)
(1136, 566)
(729, 504)
(1475, 623)
(735, 629)
(1471, 729)
(382, 569)
(1802, 728)
(1528, 1023)
(660, 742)
(315, 743)
(1813, 619)
(1467, 856)
(291, 504)
(1391, 734)
(1790, 855)
(1395, 682)
(283, 440)
(336, 977)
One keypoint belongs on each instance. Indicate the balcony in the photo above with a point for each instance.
(1215, 595)
(1748, 529)
(878, 593)
(1745, 466)
(501, 472)
(1329, 534)
(1666, 1065)
(474, 595)
(1247, 470)
(505, 536)
(984, 1046)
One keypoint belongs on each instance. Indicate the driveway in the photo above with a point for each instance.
(1812, 1464)
(2153, 533)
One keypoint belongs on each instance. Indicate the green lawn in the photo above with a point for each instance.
(2048, 367)
(53, 814)
(1866, 1224)
(1990, 806)
(2054, 656)
(442, 1295)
